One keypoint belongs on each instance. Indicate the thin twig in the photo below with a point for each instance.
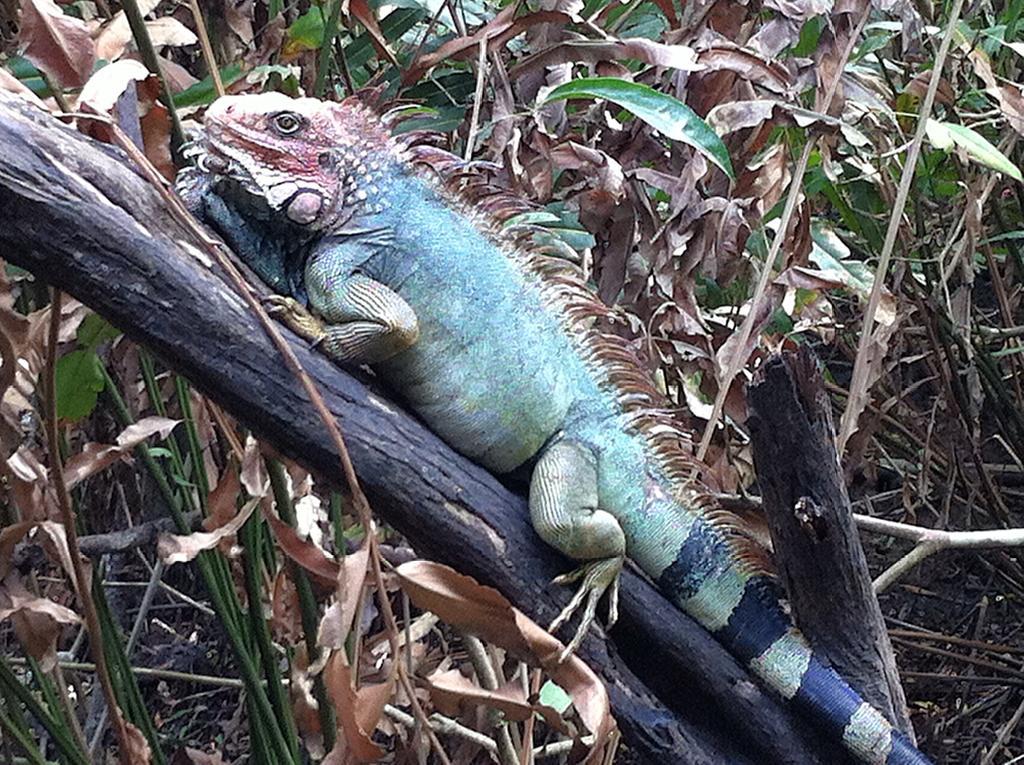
(931, 541)
(478, 97)
(204, 44)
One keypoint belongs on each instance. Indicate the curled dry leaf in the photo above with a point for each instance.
(363, 13)
(254, 474)
(304, 706)
(680, 57)
(167, 31)
(223, 500)
(1009, 97)
(323, 569)
(114, 36)
(95, 457)
(468, 605)
(285, 615)
(173, 548)
(138, 747)
(107, 85)
(800, 10)
(496, 32)
(336, 623)
(28, 482)
(53, 539)
(37, 621)
(56, 43)
(358, 712)
(452, 692)
(725, 55)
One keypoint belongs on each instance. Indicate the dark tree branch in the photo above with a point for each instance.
(820, 558)
(78, 218)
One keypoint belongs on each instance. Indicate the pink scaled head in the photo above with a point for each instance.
(318, 161)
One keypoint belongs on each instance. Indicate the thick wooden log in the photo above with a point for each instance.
(817, 547)
(76, 216)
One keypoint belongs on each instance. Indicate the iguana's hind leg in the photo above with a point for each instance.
(357, 319)
(565, 513)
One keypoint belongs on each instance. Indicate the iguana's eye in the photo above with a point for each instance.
(286, 123)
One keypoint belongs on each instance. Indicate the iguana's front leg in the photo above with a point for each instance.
(354, 317)
(565, 513)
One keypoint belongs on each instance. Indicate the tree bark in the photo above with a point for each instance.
(817, 547)
(78, 217)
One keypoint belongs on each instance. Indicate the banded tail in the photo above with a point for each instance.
(743, 610)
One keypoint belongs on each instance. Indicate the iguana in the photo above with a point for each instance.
(498, 349)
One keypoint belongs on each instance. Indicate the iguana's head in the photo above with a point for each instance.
(318, 162)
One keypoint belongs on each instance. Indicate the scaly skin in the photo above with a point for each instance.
(495, 351)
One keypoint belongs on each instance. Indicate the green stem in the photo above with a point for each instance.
(307, 602)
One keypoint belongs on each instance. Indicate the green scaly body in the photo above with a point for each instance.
(494, 347)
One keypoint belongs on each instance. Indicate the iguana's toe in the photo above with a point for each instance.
(293, 314)
(598, 577)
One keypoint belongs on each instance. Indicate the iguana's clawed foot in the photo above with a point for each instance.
(292, 313)
(598, 576)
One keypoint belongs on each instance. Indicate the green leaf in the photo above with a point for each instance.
(944, 135)
(307, 33)
(554, 696)
(94, 331)
(203, 92)
(659, 110)
(79, 382)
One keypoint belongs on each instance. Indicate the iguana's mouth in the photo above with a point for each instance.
(211, 159)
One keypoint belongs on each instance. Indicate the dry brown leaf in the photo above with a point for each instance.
(95, 457)
(138, 747)
(9, 538)
(304, 706)
(1009, 98)
(860, 396)
(253, 473)
(28, 483)
(800, 10)
(681, 57)
(312, 559)
(727, 56)
(337, 620)
(223, 500)
(496, 32)
(54, 539)
(108, 84)
(357, 711)
(173, 548)
(467, 605)
(919, 83)
(285, 615)
(37, 621)
(114, 36)
(167, 31)
(361, 11)
(238, 15)
(452, 693)
(178, 77)
(56, 43)
(463, 602)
